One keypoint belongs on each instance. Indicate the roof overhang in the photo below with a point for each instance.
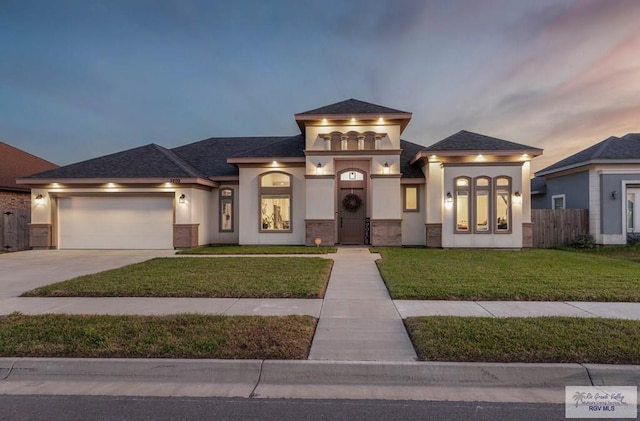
(346, 119)
(98, 181)
(266, 160)
(577, 165)
(471, 156)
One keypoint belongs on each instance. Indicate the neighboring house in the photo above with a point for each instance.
(605, 179)
(348, 178)
(15, 163)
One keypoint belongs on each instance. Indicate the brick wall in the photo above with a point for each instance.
(14, 200)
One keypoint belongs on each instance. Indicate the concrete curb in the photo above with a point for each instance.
(514, 382)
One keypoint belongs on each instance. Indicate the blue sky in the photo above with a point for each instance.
(80, 79)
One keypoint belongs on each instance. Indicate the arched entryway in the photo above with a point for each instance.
(352, 206)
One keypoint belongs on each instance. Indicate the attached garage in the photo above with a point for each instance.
(115, 222)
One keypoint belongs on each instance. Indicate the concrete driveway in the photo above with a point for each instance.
(26, 270)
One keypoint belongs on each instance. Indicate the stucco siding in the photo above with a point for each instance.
(249, 207)
(413, 226)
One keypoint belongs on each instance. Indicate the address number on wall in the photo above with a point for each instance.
(174, 180)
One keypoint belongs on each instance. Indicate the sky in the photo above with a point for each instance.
(85, 78)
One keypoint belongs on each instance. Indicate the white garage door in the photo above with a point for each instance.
(115, 222)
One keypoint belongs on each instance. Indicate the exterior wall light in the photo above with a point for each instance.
(614, 195)
(182, 199)
(449, 198)
(385, 168)
(448, 201)
(39, 200)
(517, 198)
(319, 169)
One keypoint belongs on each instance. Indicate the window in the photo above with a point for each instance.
(411, 199)
(462, 208)
(503, 204)
(631, 200)
(557, 201)
(482, 205)
(488, 200)
(226, 210)
(352, 175)
(275, 202)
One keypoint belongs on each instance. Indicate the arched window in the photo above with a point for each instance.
(482, 193)
(275, 202)
(226, 210)
(503, 204)
(463, 202)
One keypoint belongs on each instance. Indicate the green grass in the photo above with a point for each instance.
(535, 274)
(239, 277)
(180, 336)
(258, 250)
(529, 340)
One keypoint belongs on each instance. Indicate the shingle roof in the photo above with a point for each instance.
(625, 148)
(210, 155)
(409, 150)
(147, 161)
(352, 106)
(469, 141)
(16, 163)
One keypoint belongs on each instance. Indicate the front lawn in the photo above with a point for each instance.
(535, 274)
(180, 336)
(258, 250)
(237, 277)
(528, 340)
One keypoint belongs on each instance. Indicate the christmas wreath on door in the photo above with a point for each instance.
(352, 202)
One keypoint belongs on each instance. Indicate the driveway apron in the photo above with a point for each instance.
(358, 320)
(26, 270)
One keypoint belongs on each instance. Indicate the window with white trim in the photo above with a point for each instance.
(275, 202)
(558, 201)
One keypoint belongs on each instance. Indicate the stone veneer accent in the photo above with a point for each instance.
(185, 235)
(40, 236)
(386, 232)
(527, 234)
(323, 228)
(434, 235)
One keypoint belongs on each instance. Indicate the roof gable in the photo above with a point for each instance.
(621, 149)
(352, 106)
(469, 141)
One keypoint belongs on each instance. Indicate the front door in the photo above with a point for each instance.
(352, 208)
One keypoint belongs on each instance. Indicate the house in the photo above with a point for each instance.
(347, 178)
(16, 163)
(605, 179)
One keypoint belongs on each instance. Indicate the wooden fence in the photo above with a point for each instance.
(14, 229)
(558, 227)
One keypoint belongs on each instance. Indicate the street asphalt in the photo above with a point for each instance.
(360, 351)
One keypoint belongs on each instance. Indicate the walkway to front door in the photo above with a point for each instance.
(358, 320)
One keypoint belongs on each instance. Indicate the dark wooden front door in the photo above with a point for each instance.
(352, 221)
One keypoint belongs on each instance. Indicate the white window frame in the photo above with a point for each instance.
(558, 196)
